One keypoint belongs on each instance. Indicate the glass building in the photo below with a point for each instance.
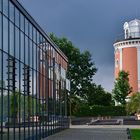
(33, 84)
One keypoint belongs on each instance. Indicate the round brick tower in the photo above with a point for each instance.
(127, 53)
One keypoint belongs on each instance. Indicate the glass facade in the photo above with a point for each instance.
(33, 95)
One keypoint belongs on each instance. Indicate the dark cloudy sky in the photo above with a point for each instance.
(89, 24)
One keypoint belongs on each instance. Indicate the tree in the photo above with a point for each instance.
(133, 105)
(122, 87)
(98, 96)
(14, 105)
(81, 68)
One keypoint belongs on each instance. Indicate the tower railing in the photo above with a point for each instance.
(127, 36)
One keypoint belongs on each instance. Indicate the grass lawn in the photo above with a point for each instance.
(135, 133)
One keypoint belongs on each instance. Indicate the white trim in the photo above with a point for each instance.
(128, 46)
(120, 59)
(127, 42)
(138, 64)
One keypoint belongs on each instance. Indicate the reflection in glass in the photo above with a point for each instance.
(0, 31)
(16, 17)
(11, 39)
(32, 83)
(5, 7)
(17, 44)
(11, 8)
(5, 34)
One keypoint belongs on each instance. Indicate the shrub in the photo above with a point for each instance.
(96, 110)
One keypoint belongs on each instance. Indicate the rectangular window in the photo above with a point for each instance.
(5, 34)
(22, 42)
(11, 11)
(63, 73)
(0, 5)
(11, 39)
(17, 75)
(26, 50)
(0, 69)
(17, 43)
(22, 22)
(5, 71)
(34, 82)
(11, 73)
(34, 34)
(5, 7)
(21, 78)
(17, 17)
(26, 80)
(0, 31)
(34, 54)
(30, 31)
(26, 26)
(38, 38)
(31, 52)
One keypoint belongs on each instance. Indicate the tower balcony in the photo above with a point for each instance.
(127, 36)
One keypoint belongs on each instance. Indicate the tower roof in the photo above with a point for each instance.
(132, 23)
(132, 29)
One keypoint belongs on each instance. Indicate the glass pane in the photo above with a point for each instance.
(22, 47)
(16, 17)
(34, 83)
(63, 73)
(5, 34)
(38, 42)
(5, 7)
(0, 5)
(30, 30)
(0, 31)
(22, 22)
(34, 35)
(11, 8)
(34, 54)
(26, 50)
(17, 43)
(17, 76)
(0, 69)
(31, 53)
(11, 39)
(5, 71)
(21, 77)
(26, 26)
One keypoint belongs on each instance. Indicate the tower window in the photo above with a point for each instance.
(116, 63)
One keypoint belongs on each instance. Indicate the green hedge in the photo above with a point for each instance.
(87, 111)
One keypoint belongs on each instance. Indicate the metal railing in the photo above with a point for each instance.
(128, 36)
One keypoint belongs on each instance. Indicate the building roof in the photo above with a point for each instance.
(132, 23)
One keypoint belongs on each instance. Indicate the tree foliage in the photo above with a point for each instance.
(98, 110)
(81, 68)
(133, 105)
(14, 104)
(122, 87)
(98, 96)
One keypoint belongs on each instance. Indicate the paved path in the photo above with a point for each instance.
(108, 133)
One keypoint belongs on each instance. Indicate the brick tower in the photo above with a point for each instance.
(127, 53)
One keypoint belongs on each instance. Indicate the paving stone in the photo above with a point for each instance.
(91, 134)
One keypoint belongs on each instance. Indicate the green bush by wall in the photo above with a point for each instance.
(96, 110)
